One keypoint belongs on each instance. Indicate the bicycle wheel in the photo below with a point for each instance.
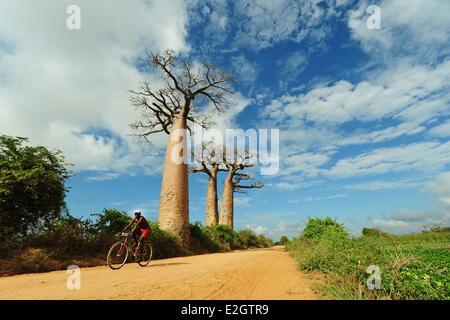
(145, 255)
(117, 255)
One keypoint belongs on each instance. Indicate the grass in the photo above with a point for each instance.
(414, 266)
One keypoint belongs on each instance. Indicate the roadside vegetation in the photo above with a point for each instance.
(413, 266)
(84, 242)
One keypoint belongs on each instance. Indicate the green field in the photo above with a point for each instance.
(414, 266)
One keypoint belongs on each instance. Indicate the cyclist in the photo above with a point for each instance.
(141, 230)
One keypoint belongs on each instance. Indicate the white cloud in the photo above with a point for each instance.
(242, 201)
(307, 164)
(257, 229)
(440, 188)
(294, 182)
(384, 185)
(282, 228)
(442, 130)
(429, 157)
(68, 89)
(417, 27)
(247, 72)
(258, 25)
(405, 87)
(267, 22)
(406, 92)
(293, 64)
(407, 221)
(399, 101)
(335, 196)
(103, 177)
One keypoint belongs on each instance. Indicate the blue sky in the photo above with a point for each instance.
(363, 113)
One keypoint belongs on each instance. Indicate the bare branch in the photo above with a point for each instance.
(183, 82)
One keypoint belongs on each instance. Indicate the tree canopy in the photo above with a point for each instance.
(184, 82)
(32, 185)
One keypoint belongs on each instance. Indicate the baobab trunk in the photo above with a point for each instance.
(226, 209)
(174, 199)
(212, 215)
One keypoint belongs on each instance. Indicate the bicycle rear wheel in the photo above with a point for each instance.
(117, 255)
(145, 255)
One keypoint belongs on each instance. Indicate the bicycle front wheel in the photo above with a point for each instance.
(117, 255)
(145, 255)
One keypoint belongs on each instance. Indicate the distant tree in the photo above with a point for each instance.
(235, 162)
(248, 238)
(264, 241)
(283, 240)
(32, 185)
(111, 221)
(209, 159)
(371, 232)
(316, 228)
(438, 228)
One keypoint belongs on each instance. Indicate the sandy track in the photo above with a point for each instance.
(248, 274)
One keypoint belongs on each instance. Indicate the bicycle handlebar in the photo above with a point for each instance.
(122, 234)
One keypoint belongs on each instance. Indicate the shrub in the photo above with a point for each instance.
(164, 243)
(227, 237)
(375, 232)
(264, 242)
(370, 232)
(283, 240)
(201, 242)
(316, 228)
(66, 236)
(111, 221)
(248, 239)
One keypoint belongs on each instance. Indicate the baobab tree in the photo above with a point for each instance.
(233, 184)
(210, 159)
(171, 109)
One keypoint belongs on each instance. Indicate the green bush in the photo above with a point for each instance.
(107, 224)
(283, 240)
(248, 239)
(371, 232)
(224, 235)
(264, 242)
(66, 235)
(111, 221)
(374, 232)
(316, 228)
(201, 242)
(164, 243)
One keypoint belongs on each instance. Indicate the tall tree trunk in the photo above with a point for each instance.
(226, 208)
(174, 199)
(212, 214)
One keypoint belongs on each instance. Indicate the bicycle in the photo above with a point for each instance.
(119, 252)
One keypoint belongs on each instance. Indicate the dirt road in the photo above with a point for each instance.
(248, 274)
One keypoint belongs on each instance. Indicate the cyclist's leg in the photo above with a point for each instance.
(136, 237)
(144, 235)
